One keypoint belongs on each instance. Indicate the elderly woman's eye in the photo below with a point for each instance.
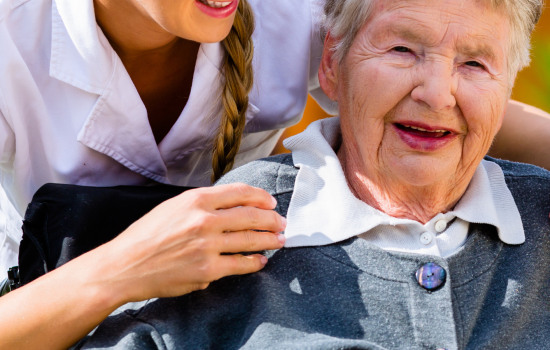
(401, 49)
(474, 64)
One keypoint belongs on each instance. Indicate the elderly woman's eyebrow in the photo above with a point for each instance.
(405, 33)
(483, 50)
(467, 49)
(410, 34)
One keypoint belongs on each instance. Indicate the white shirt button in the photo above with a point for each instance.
(426, 238)
(440, 226)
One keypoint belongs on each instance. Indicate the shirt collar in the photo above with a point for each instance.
(82, 56)
(323, 210)
(118, 124)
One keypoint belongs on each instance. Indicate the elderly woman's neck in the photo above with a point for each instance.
(396, 198)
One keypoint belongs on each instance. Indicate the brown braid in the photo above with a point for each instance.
(238, 83)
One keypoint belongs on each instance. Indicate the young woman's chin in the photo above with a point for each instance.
(205, 32)
(188, 19)
(195, 21)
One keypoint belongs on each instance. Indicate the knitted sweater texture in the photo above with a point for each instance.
(354, 295)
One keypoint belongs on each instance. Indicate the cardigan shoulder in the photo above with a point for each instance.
(530, 187)
(275, 174)
(514, 169)
(529, 184)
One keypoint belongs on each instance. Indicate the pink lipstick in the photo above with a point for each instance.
(422, 137)
(217, 12)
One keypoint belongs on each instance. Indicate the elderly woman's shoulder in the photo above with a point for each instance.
(275, 174)
(514, 169)
(530, 187)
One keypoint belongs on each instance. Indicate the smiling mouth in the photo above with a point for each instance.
(215, 4)
(422, 132)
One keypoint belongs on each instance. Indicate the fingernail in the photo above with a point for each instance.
(263, 259)
(274, 201)
(283, 220)
(282, 239)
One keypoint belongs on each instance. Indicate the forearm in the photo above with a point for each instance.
(175, 249)
(524, 136)
(58, 309)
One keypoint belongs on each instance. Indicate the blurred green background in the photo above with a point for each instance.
(532, 85)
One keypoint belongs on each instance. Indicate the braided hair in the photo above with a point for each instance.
(237, 67)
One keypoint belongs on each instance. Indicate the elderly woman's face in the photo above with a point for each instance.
(423, 89)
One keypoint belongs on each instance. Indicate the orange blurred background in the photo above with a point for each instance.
(532, 85)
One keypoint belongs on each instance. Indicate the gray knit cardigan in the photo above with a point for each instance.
(354, 295)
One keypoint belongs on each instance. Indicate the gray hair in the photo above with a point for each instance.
(344, 19)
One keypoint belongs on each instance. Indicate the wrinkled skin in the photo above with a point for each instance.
(439, 63)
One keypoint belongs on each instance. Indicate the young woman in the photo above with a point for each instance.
(135, 92)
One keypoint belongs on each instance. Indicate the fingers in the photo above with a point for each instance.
(240, 264)
(234, 195)
(250, 218)
(250, 241)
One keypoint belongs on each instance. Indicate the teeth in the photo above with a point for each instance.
(217, 4)
(415, 128)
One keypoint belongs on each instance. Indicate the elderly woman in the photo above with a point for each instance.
(400, 235)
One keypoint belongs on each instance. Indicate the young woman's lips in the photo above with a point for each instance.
(424, 138)
(220, 12)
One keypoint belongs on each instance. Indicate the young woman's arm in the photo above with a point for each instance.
(524, 136)
(173, 250)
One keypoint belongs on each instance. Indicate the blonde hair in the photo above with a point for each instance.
(237, 68)
(344, 19)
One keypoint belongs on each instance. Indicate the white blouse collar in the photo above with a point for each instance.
(118, 125)
(323, 210)
(81, 55)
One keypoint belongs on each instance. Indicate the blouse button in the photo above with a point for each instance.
(431, 276)
(426, 238)
(440, 226)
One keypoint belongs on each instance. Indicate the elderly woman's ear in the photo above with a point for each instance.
(328, 70)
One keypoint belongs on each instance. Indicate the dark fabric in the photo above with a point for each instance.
(65, 221)
(354, 295)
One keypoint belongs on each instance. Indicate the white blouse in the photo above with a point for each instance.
(69, 112)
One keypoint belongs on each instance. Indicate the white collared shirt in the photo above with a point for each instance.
(69, 112)
(323, 210)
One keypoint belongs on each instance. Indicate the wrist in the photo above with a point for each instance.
(97, 279)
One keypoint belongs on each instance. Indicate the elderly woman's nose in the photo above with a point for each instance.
(436, 87)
